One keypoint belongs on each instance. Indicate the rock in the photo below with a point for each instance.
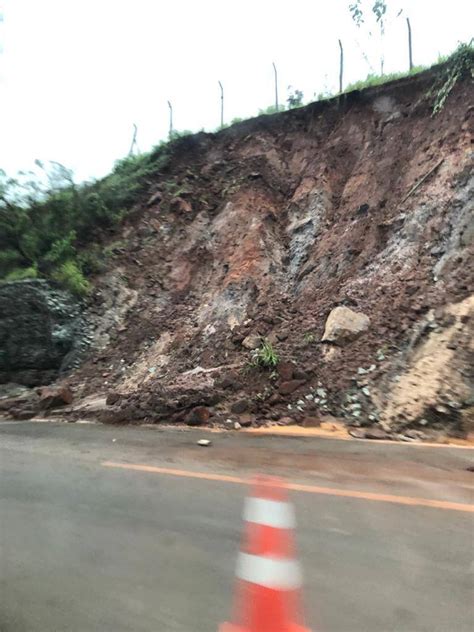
(197, 416)
(418, 435)
(311, 422)
(285, 370)
(375, 433)
(272, 338)
(178, 205)
(245, 421)
(22, 413)
(357, 433)
(299, 374)
(41, 332)
(240, 406)
(11, 390)
(204, 442)
(112, 398)
(252, 341)
(55, 396)
(343, 325)
(155, 198)
(29, 399)
(229, 381)
(286, 388)
(237, 426)
(286, 421)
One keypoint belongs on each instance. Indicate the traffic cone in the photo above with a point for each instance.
(268, 574)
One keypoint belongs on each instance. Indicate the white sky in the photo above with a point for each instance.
(76, 74)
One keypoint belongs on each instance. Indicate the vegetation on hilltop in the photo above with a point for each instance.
(46, 226)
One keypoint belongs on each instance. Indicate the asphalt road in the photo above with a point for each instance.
(88, 547)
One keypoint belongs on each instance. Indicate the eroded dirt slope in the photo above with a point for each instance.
(263, 229)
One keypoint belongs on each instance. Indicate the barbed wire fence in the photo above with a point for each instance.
(277, 104)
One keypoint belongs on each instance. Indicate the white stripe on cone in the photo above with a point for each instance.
(270, 572)
(271, 513)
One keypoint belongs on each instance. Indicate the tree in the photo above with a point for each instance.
(373, 16)
(295, 98)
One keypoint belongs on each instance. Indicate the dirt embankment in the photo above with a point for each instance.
(260, 231)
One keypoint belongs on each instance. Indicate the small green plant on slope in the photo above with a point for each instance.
(265, 356)
(309, 338)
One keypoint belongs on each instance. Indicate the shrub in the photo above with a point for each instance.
(271, 109)
(19, 274)
(47, 228)
(70, 276)
(9, 261)
(294, 99)
(458, 65)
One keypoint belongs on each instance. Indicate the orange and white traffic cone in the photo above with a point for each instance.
(268, 574)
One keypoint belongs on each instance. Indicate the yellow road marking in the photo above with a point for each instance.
(311, 489)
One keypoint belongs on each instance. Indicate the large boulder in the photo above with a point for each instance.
(343, 325)
(42, 332)
(197, 416)
(55, 396)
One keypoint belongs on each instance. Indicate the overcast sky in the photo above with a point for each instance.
(76, 74)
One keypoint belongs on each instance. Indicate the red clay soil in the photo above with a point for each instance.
(267, 226)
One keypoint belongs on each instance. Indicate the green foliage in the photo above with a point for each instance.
(265, 356)
(322, 96)
(459, 64)
(378, 8)
(175, 134)
(373, 16)
(294, 99)
(92, 260)
(47, 226)
(19, 274)
(377, 80)
(62, 248)
(9, 260)
(356, 12)
(70, 276)
(271, 109)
